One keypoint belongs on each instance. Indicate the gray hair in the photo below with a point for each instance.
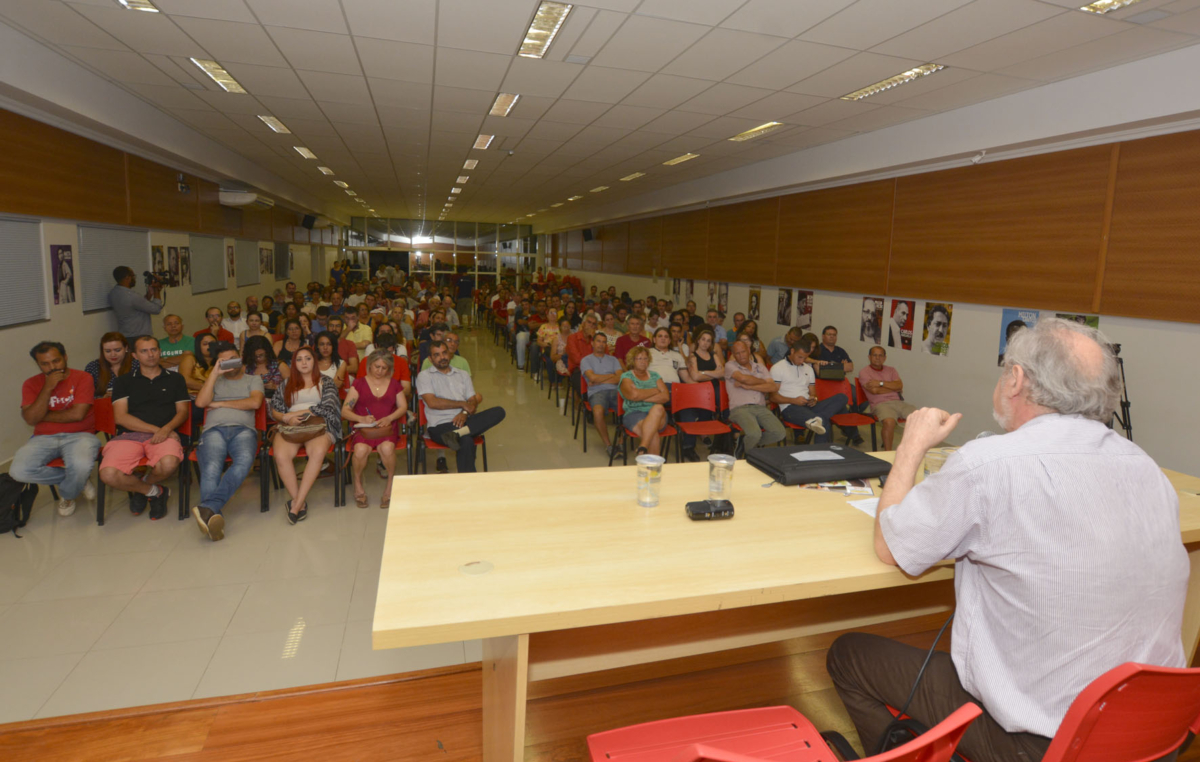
(381, 354)
(1058, 380)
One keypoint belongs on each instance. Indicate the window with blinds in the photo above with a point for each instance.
(21, 262)
(208, 263)
(102, 250)
(283, 261)
(246, 253)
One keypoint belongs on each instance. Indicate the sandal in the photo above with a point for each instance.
(360, 500)
(385, 501)
(641, 451)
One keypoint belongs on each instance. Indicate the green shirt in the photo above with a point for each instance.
(458, 361)
(167, 348)
(650, 383)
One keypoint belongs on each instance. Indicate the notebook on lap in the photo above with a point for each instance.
(807, 464)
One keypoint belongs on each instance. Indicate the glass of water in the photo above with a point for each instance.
(649, 479)
(720, 477)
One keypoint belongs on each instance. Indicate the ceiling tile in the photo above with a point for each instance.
(456, 121)
(666, 91)
(575, 112)
(628, 117)
(774, 107)
(336, 88)
(311, 129)
(508, 126)
(970, 25)
(462, 99)
(406, 95)
(1098, 54)
(1054, 34)
(1188, 23)
(203, 120)
(283, 108)
(58, 24)
(401, 20)
(552, 131)
(603, 85)
(884, 116)
(853, 74)
(143, 32)
(677, 122)
(470, 69)
(789, 64)
(395, 60)
(182, 71)
(497, 26)
(722, 98)
(317, 51)
(548, 79)
(870, 22)
(974, 90)
(613, 5)
(122, 66)
(230, 103)
(723, 52)
(531, 107)
(231, 42)
(268, 80)
(710, 12)
(832, 111)
(648, 44)
(220, 10)
(786, 18)
(314, 15)
(172, 96)
(814, 137)
(590, 40)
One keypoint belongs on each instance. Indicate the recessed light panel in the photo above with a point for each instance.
(351, 193)
(470, 163)
(545, 25)
(305, 152)
(341, 184)
(555, 206)
(483, 141)
(217, 73)
(139, 5)
(634, 176)
(758, 131)
(1108, 6)
(504, 104)
(456, 190)
(275, 124)
(462, 179)
(599, 189)
(325, 170)
(887, 84)
(681, 159)
(574, 198)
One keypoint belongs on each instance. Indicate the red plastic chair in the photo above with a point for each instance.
(826, 388)
(626, 434)
(427, 444)
(698, 396)
(335, 450)
(775, 734)
(261, 420)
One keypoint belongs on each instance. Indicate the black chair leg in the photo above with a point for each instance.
(54, 492)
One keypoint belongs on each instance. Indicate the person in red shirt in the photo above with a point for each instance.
(579, 344)
(632, 339)
(346, 348)
(57, 402)
(214, 316)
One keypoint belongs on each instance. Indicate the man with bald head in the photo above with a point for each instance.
(1067, 548)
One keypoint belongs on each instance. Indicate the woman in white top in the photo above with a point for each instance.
(610, 330)
(398, 349)
(329, 364)
(306, 391)
(666, 361)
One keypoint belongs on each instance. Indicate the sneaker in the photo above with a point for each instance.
(158, 503)
(814, 425)
(89, 491)
(66, 507)
(856, 441)
(452, 440)
(442, 468)
(611, 451)
(211, 524)
(137, 503)
(690, 456)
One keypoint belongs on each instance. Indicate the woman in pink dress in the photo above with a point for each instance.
(377, 400)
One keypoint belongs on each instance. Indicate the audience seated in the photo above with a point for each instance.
(306, 397)
(254, 327)
(882, 385)
(456, 360)
(346, 348)
(608, 327)
(832, 354)
(356, 333)
(57, 403)
(115, 360)
(748, 383)
(259, 359)
(148, 406)
(437, 332)
(195, 366)
(234, 323)
(749, 331)
(781, 346)
(378, 399)
(292, 339)
(214, 316)
(635, 338)
(329, 363)
(715, 321)
(175, 346)
(602, 372)
(131, 309)
(646, 398)
(705, 363)
(451, 407)
(668, 363)
(797, 394)
(230, 399)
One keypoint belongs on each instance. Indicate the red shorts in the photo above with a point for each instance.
(125, 455)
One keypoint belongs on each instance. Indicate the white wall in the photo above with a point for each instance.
(81, 333)
(1159, 357)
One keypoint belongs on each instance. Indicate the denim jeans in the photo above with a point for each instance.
(77, 450)
(241, 445)
(522, 343)
(827, 407)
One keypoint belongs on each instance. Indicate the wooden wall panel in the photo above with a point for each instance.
(742, 241)
(1024, 231)
(574, 250)
(593, 252)
(155, 200)
(836, 239)
(685, 244)
(282, 223)
(1153, 264)
(211, 217)
(256, 224)
(614, 243)
(48, 172)
(645, 246)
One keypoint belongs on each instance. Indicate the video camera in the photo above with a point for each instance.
(162, 277)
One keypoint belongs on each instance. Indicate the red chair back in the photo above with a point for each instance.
(105, 422)
(858, 390)
(185, 428)
(1132, 713)
(260, 417)
(724, 397)
(699, 396)
(826, 388)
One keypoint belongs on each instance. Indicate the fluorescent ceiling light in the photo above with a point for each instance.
(599, 188)
(574, 198)
(681, 159)
(351, 193)
(504, 104)
(887, 84)
(218, 74)
(372, 211)
(1108, 6)
(470, 163)
(555, 206)
(541, 210)
(634, 176)
(275, 124)
(462, 179)
(761, 129)
(305, 152)
(483, 141)
(325, 170)
(341, 184)
(546, 23)
(456, 190)
(139, 5)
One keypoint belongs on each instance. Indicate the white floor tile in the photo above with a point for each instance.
(170, 616)
(45, 628)
(132, 677)
(359, 660)
(264, 661)
(362, 603)
(209, 563)
(25, 684)
(300, 553)
(278, 604)
(84, 576)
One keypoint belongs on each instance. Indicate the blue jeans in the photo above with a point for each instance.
(522, 343)
(827, 407)
(77, 450)
(241, 445)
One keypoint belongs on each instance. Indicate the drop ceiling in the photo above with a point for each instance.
(392, 94)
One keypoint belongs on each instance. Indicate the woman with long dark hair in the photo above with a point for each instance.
(115, 360)
(293, 339)
(306, 393)
(259, 359)
(329, 363)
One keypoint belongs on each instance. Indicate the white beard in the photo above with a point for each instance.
(1003, 415)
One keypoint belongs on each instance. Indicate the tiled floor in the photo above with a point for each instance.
(138, 612)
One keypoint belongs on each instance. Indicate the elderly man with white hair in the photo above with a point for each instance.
(1068, 559)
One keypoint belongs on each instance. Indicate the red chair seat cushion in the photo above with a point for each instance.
(851, 419)
(702, 428)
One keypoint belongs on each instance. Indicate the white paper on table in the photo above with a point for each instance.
(808, 456)
(868, 506)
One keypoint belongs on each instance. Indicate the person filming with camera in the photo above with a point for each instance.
(133, 310)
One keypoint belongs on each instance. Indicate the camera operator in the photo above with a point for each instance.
(133, 310)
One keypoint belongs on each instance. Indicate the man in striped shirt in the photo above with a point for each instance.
(1068, 559)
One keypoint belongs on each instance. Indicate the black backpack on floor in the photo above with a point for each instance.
(16, 501)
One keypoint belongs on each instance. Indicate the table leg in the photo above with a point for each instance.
(505, 683)
(1191, 607)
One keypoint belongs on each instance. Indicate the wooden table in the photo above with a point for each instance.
(561, 573)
